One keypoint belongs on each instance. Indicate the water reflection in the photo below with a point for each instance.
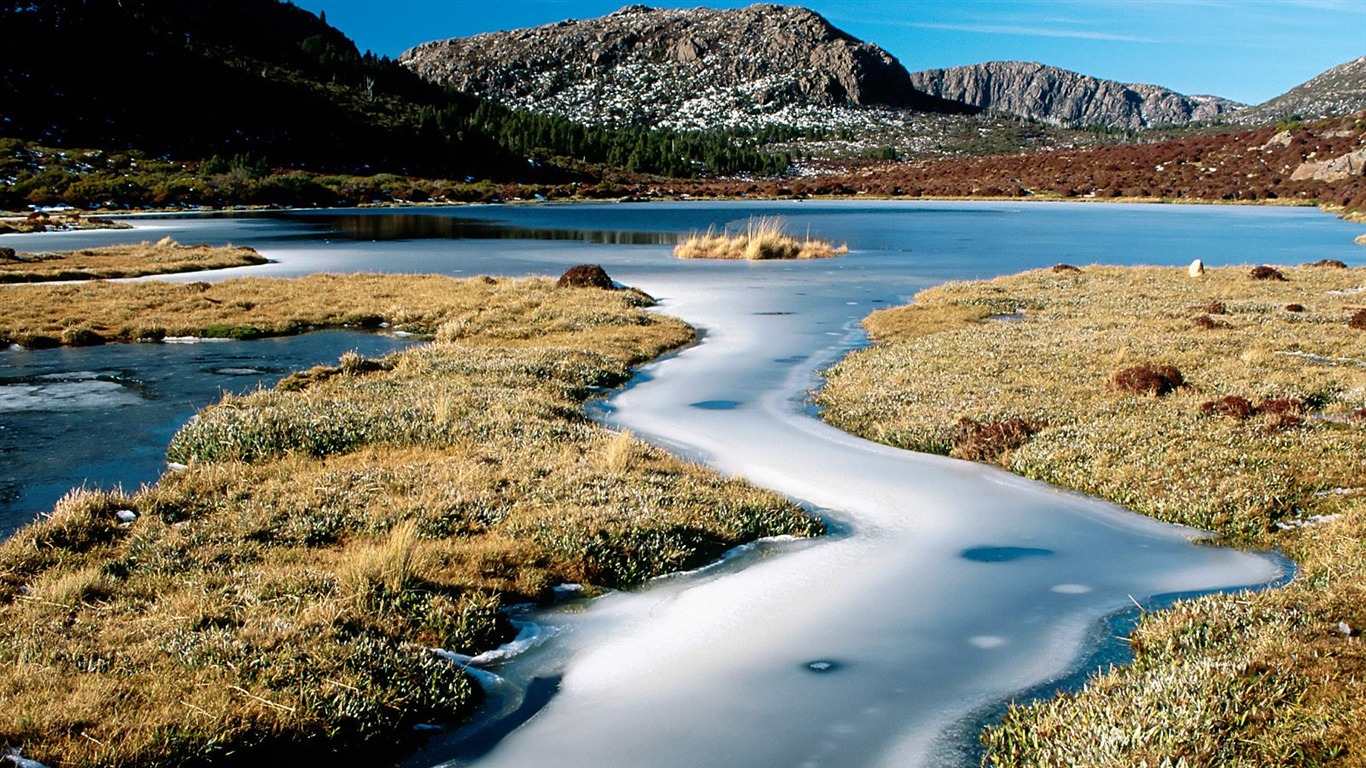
(427, 226)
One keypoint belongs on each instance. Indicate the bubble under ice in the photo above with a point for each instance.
(958, 586)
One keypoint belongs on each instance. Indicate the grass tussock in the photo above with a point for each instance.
(163, 257)
(1269, 678)
(763, 238)
(276, 598)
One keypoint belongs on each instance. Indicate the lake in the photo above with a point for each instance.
(946, 587)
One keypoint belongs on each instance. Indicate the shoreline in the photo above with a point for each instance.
(1191, 473)
(356, 540)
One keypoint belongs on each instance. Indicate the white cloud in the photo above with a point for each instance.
(1028, 31)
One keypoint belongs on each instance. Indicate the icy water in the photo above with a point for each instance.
(946, 587)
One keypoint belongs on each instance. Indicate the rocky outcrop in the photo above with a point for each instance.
(1062, 97)
(682, 68)
(1339, 91)
(1340, 168)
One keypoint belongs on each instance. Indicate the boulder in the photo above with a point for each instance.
(586, 276)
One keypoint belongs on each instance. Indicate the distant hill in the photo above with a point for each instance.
(1339, 91)
(695, 68)
(1066, 98)
(268, 83)
(194, 78)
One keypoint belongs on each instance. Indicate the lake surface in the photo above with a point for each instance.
(946, 588)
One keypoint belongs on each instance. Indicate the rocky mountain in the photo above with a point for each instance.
(1339, 91)
(689, 69)
(1062, 97)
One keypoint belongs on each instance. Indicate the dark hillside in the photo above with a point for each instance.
(194, 78)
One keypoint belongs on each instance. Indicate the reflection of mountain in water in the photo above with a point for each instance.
(416, 226)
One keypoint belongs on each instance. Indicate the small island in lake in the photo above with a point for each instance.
(163, 257)
(762, 239)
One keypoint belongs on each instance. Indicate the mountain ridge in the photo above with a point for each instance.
(698, 67)
(1340, 90)
(1063, 97)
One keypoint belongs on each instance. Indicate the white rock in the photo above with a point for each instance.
(1197, 268)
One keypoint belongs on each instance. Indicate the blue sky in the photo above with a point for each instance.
(1246, 50)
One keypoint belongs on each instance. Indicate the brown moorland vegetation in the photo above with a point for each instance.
(278, 597)
(1267, 165)
(163, 257)
(1265, 678)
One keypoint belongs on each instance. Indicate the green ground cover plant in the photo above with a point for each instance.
(277, 598)
(1249, 424)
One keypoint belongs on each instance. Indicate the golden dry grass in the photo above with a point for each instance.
(163, 257)
(1256, 679)
(40, 315)
(275, 599)
(763, 238)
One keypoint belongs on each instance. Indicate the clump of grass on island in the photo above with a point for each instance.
(1254, 429)
(763, 238)
(279, 595)
(163, 257)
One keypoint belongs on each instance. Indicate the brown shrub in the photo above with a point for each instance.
(1233, 406)
(1282, 412)
(1294, 307)
(1281, 406)
(1358, 320)
(1208, 323)
(1065, 268)
(1331, 263)
(1215, 308)
(585, 276)
(1148, 379)
(1358, 416)
(1266, 273)
(982, 441)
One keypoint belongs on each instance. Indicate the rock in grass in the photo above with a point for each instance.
(586, 276)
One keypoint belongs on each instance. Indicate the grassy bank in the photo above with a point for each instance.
(275, 599)
(1231, 402)
(98, 312)
(163, 257)
(763, 238)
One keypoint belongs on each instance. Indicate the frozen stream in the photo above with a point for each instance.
(947, 587)
(956, 585)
